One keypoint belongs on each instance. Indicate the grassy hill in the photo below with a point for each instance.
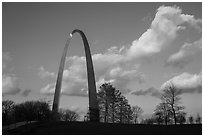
(86, 128)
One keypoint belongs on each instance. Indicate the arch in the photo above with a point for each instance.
(93, 104)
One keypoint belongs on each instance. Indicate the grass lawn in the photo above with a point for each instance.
(86, 128)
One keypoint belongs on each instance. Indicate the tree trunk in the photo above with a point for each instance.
(113, 115)
(166, 120)
(106, 111)
(120, 114)
(174, 113)
(136, 119)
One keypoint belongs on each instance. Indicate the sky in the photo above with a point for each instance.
(138, 47)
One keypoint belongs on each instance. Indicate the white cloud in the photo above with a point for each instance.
(185, 54)
(167, 22)
(119, 65)
(6, 57)
(44, 74)
(121, 76)
(187, 83)
(49, 89)
(75, 76)
(150, 91)
(10, 85)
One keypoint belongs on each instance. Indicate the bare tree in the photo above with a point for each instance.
(191, 119)
(137, 111)
(172, 99)
(148, 121)
(7, 111)
(162, 113)
(68, 115)
(181, 118)
(198, 119)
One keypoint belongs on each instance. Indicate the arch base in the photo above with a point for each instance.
(94, 114)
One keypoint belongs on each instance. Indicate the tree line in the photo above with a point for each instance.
(113, 108)
(32, 111)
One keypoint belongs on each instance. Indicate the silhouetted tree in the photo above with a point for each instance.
(191, 119)
(113, 106)
(42, 110)
(7, 112)
(137, 111)
(32, 111)
(181, 118)
(114, 100)
(162, 113)
(171, 98)
(158, 117)
(87, 116)
(129, 114)
(20, 113)
(198, 119)
(104, 99)
(148, 121)
(68, 115)
(123, 102)
(29, 111)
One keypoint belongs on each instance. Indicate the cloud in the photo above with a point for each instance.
(49, 89)
(6, 57)
(120, 65)
(167, 22)
(70, 89)
(187, 83)
(10, 85)
(45, 74)
(26, 92)
(150, 91)
(185, 55)
(75, 76)
(121, 76)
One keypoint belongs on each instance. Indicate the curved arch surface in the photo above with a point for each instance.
(93, 104)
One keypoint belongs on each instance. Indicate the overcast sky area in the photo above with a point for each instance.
(138, 47)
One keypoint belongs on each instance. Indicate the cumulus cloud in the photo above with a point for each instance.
(150, 91)
(6, 57)
(10, 82)
(185, 55)
(26, 92)
(119, 65)
(167, 22)
(71, 89)
(187, 83)
(10, 85)
(48, 89)
(75, 76)
(44, 73)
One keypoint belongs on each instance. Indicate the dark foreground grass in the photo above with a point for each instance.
(86, 128)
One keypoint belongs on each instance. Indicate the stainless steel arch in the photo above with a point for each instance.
(93, 104)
